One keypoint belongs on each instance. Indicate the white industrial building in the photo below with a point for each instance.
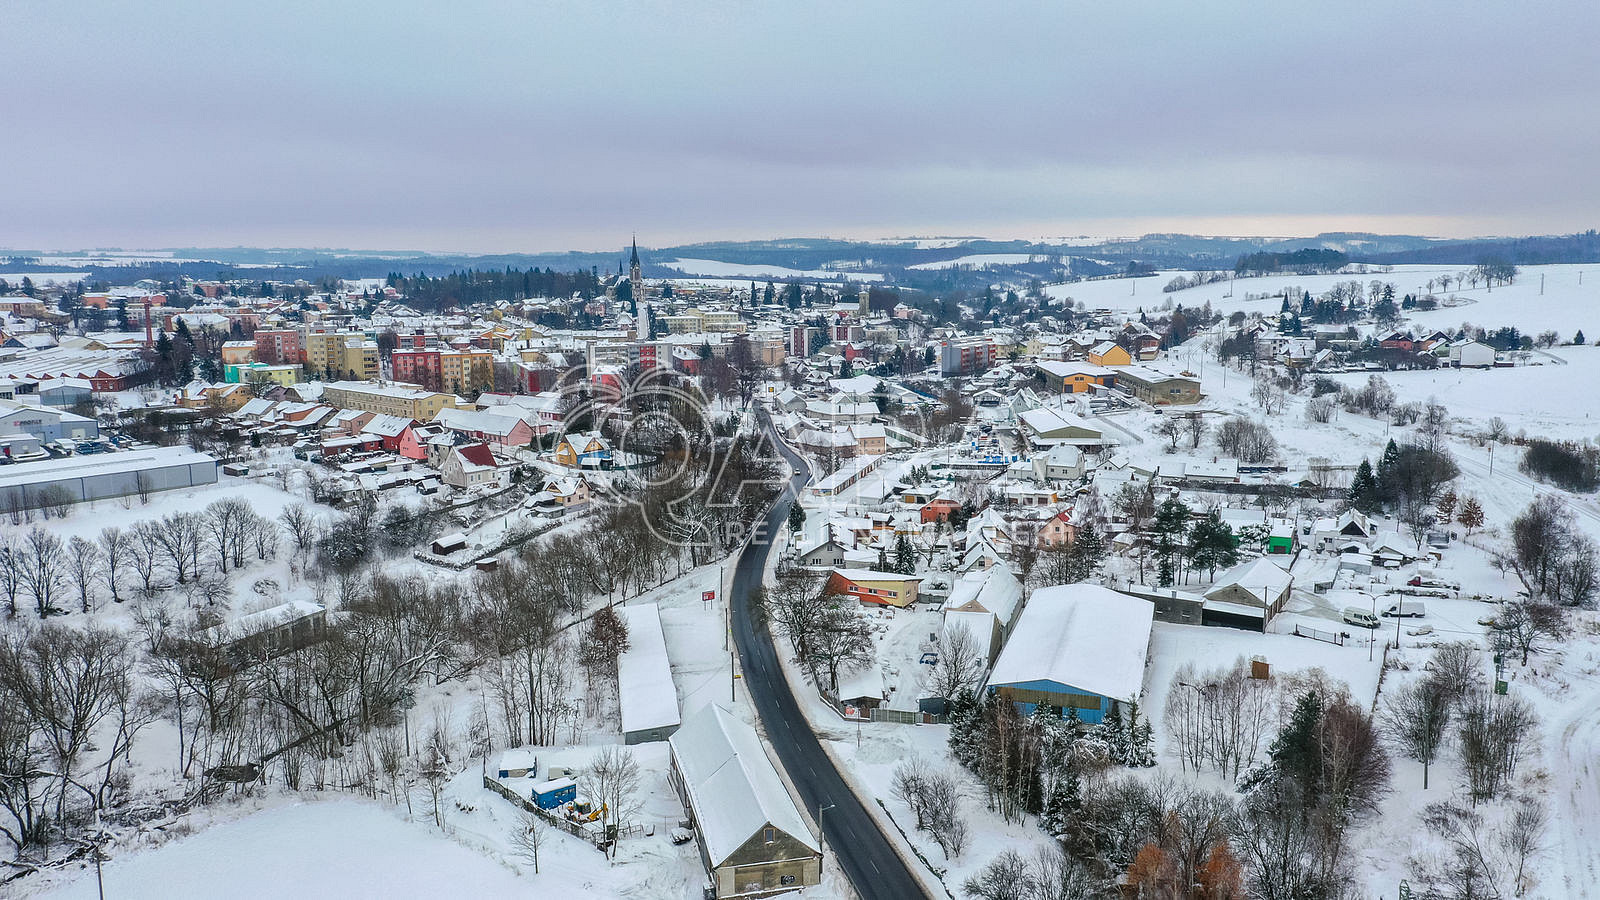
(107, 475)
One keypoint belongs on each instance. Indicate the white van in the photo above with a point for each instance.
(1406, 609)
(1359, 617)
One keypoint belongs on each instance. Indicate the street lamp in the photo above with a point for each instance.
(821, 836)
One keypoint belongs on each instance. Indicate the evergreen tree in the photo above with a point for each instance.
(966, 730)
(1140, 739)
(1171, 524)
(1115, 734)
(905, 558)
(883, 560)
(1294, 753)
(1388, 474)
(797, 517)
(1063, 804)
(1211, 544)
(1578, 338)
(1363, 494)
(1089, 552)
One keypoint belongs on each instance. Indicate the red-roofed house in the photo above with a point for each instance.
(468, 466)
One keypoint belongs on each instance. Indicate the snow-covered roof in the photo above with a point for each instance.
(995, 590)
(1080, 635)
(1261, 577)
(257, 622)
(1045, 420)
(496, 420)
(1063, 369)
(644, 674)
(29, 473)
(732, 786)
(874, 575)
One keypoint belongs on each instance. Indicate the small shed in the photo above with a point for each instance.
(551, 794)
(518, 763)
(449, 544)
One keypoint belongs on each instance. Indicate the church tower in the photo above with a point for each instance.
(635, 280)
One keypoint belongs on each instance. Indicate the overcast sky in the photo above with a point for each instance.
(469, 125)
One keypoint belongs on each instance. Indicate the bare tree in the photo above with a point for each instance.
(226, 522)
(301, 525)
(11, 556)
(178, 539)
(1416, 715)
(843, 641)
(1527, 624)
(942, 801)
(263, 536)
(1268, 395)
(959, 665)
(1523, 838)
(83, 566)
(434, 765)
(43, 568)
(612, 779)
(1492, 733)
(144, 554)
(528, 836)
(115, 551)
(1171, 429)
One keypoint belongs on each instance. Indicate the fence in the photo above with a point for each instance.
(572, 828)
(1317, 634)
(852, 713)
(906, 717)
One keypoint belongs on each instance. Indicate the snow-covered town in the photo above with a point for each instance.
(1053, 589)
(839, 451)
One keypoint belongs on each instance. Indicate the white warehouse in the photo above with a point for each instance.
(107, 475)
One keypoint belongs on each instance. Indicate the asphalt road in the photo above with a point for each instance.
(864, 853)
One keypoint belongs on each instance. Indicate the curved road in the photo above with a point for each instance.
(874, 868)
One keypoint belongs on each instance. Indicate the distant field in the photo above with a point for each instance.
(1547, 400)
(1566, 305)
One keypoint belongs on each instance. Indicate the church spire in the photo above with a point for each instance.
(634, 260)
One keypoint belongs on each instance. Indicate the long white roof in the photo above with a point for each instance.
(644, 674)
(732, 786)
(1081, 635)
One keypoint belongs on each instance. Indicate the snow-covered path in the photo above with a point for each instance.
(1576, 800)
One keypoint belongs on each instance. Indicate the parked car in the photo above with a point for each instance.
(1419, 632)
(1358, 617)
(681, 836)
(929, 659)
(1406, 609)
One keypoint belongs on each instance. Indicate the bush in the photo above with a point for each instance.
(1573, 467)
(1249, 442)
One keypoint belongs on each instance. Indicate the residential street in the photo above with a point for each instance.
(864, 853)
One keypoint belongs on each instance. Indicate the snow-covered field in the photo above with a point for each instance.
(717, 269)
(1570, 298)
(339, 847)
(43, 278)
(977, 261)
(1549, 398)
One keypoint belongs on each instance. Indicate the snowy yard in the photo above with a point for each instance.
(336, 847)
